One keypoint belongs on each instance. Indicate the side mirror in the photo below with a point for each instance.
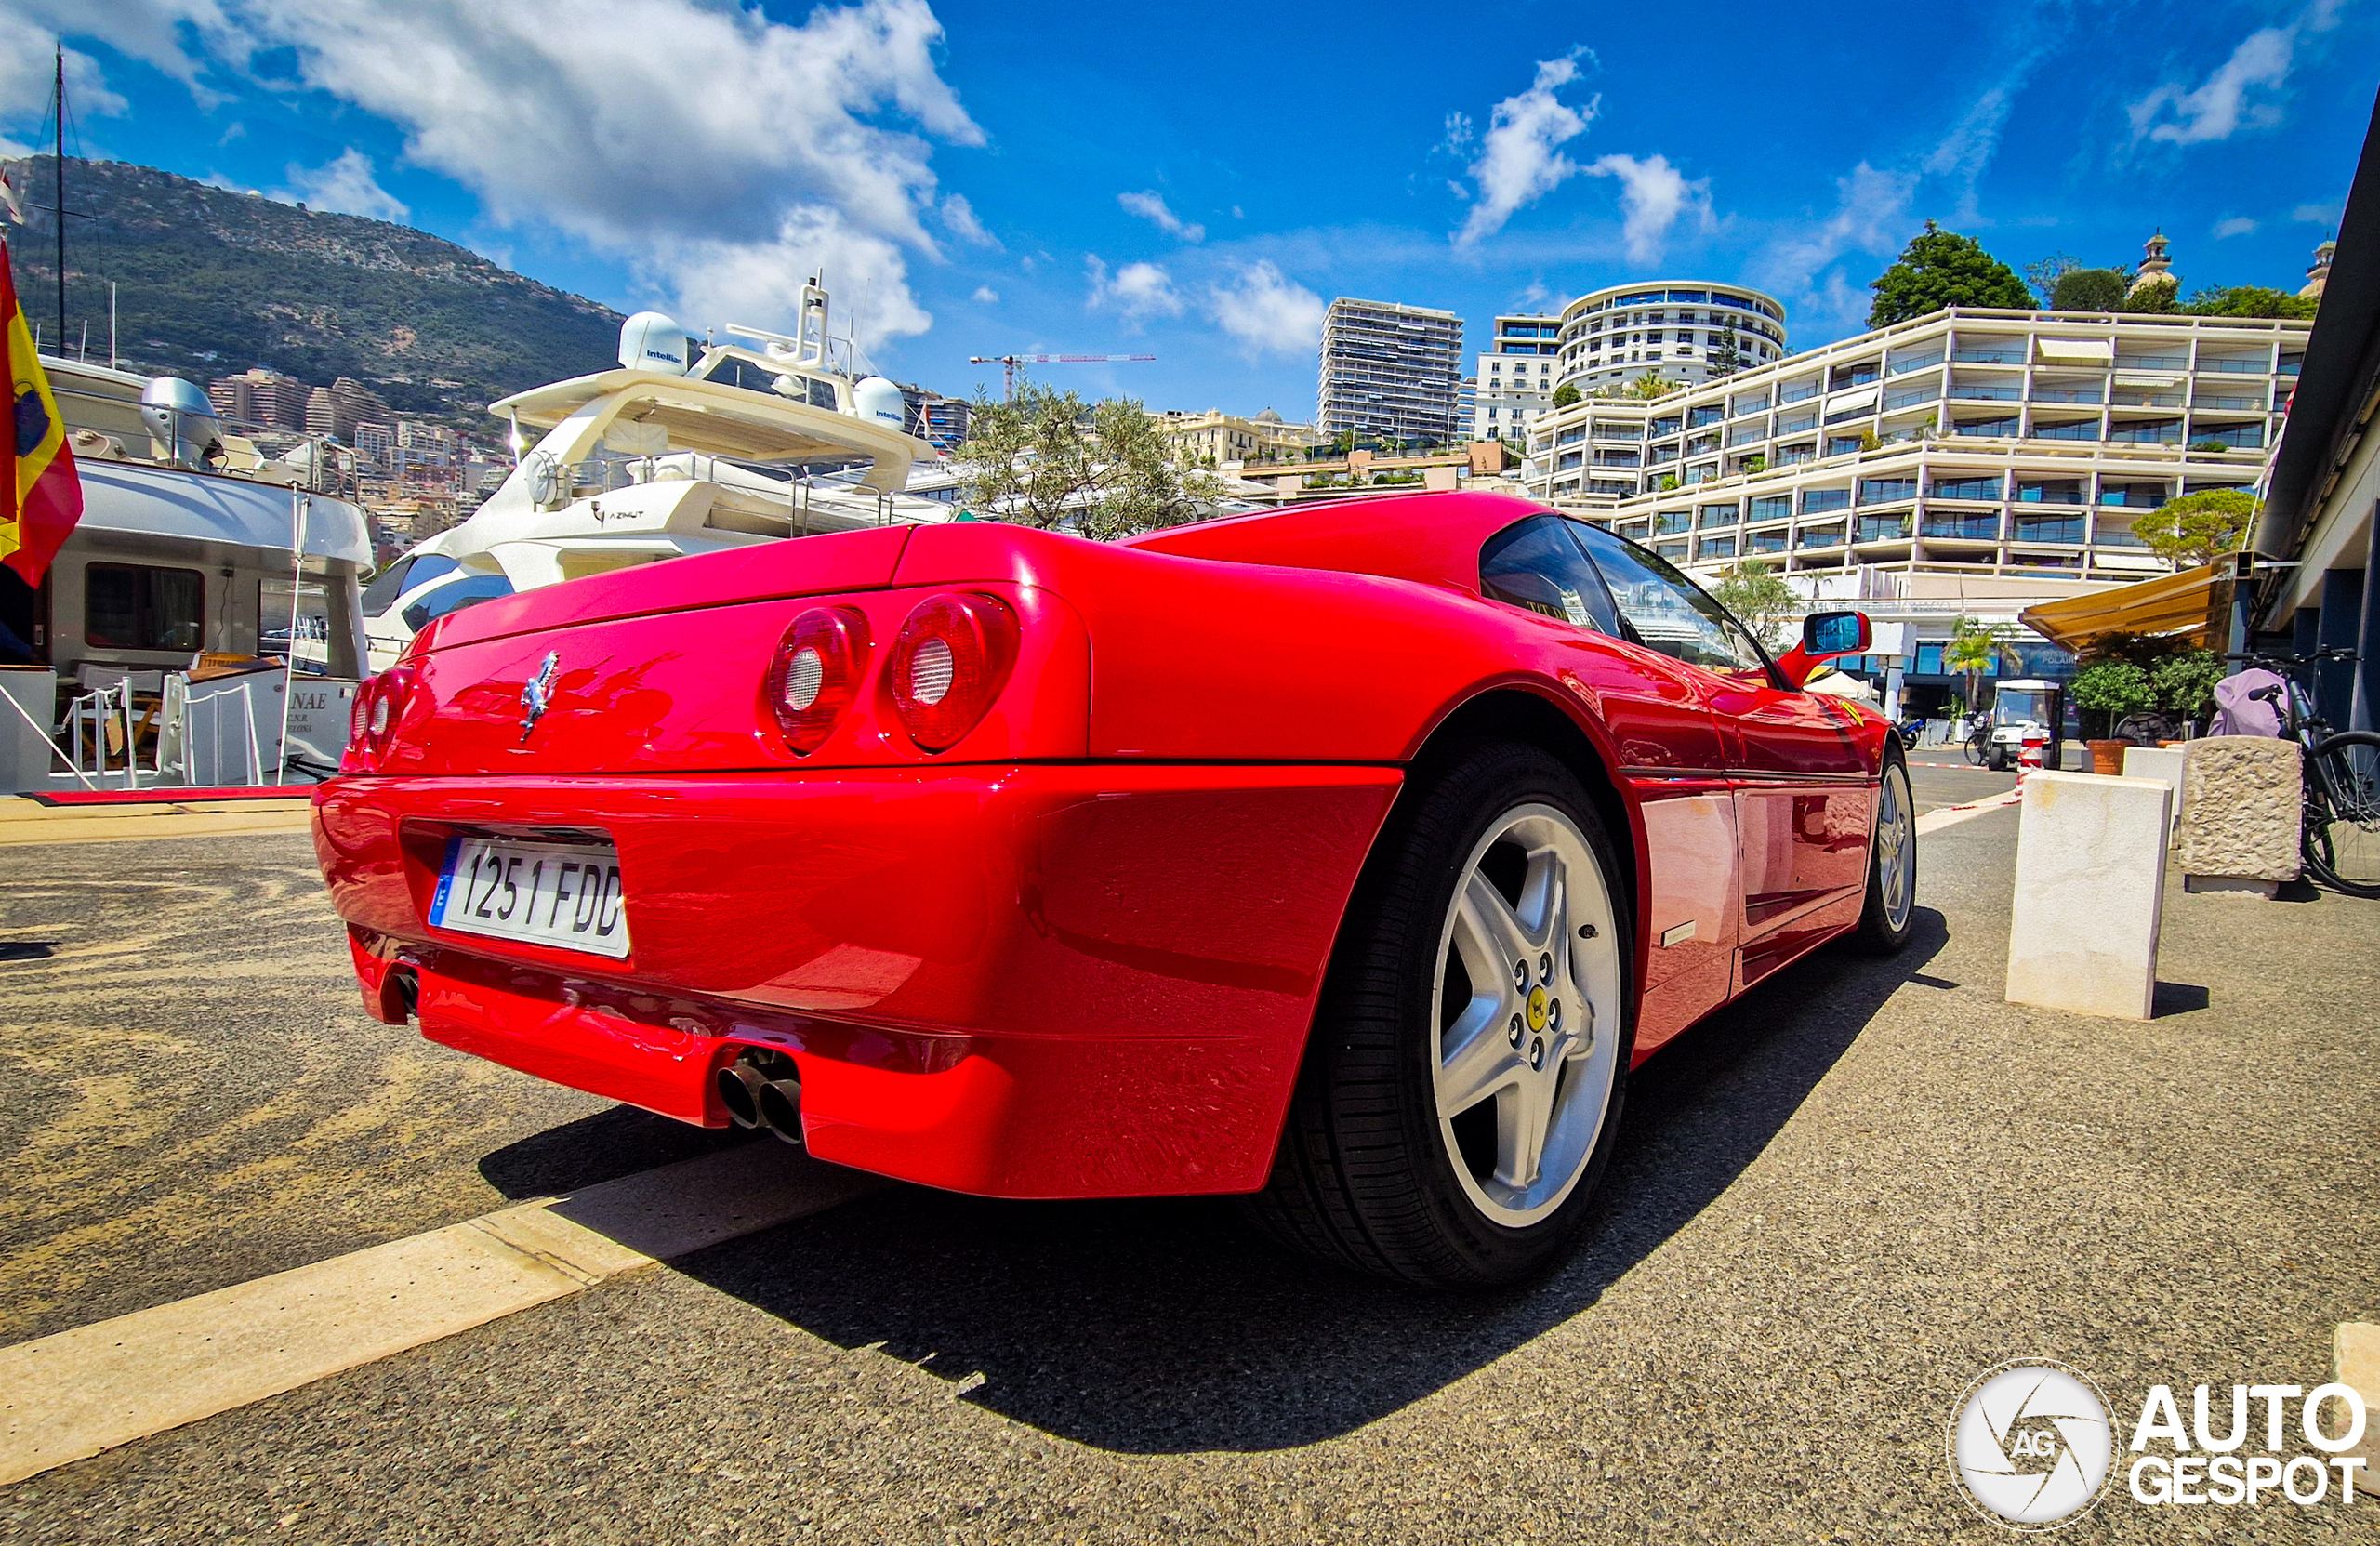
(1832, 633)
(1825, 634)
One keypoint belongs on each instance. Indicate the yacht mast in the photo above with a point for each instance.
(58, 191)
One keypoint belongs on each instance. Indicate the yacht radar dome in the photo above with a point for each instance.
(651, 341)
(181, 421)
(881, 399)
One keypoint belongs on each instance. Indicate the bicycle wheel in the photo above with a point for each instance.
(2342, 838)
(1979, 748)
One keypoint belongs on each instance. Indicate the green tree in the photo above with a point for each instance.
(2198, 528)
(1941, 268)
(2159, 298)
(1649, 384)
(1565, 394)
(2112, 689)
(2089, 290)
(1972, 649)
(2252, 300)
(1760, 602)
(2185, 682)
(2041, 278)
(1044, 461)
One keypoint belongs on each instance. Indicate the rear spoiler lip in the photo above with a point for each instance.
(788, 570)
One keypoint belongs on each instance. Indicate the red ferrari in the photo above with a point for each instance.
(1347, 856)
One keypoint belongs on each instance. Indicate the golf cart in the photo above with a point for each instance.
(2022, 710)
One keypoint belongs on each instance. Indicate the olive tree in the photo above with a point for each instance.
(1045, 459)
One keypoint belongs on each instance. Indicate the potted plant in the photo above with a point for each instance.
(2109, 689)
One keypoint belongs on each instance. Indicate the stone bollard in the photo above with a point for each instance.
(2243, 799)
(2090, 894)
(2160, 762)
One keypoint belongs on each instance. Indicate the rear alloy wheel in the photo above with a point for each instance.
(1892, 864)
(1464, 1081)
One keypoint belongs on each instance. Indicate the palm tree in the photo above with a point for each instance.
(1972, 649)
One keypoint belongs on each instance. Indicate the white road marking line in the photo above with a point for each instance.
(1951, 815)
(63, 1398)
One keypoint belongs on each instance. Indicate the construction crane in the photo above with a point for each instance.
(1008, 363)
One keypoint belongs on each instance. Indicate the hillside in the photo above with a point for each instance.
(211, 281)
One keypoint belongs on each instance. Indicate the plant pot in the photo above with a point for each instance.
(2107, 757)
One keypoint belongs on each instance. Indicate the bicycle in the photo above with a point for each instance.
(2340, 836)
(1979, 745)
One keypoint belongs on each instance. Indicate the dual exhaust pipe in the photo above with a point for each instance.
(763, 1090)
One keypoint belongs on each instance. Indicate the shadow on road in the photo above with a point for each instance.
(1158, 1327)
(620, 1141)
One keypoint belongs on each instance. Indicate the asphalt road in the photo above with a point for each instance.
(1937, 782)
(1834, 1205)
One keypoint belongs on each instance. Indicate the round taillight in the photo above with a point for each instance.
(358, 714)
(950, 661)
(381, 710)
(814, 674)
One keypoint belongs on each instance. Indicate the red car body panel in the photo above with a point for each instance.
(1078, 952)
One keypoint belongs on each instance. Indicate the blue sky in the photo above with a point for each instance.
(1196, 182)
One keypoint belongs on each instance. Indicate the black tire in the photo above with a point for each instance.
(1885, 929)
(1365, 1175)
(2342, 833)
(1979, 749)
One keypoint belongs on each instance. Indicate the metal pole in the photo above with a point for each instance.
(299, 507)
(58, 187)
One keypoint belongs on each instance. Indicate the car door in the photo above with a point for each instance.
(1672, 758)
(1801, 791)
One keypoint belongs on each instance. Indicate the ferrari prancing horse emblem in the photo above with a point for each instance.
(538, 694)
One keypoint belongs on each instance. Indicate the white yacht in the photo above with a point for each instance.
(763, 439)
(201, 552)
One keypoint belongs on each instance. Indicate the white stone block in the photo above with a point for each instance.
(2242, 797)
(2163, 763)
(2090, 894)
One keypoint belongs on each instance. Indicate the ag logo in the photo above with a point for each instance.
(2031, 1444)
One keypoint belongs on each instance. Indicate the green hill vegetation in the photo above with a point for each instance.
(211, 280)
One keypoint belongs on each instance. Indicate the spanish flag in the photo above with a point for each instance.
(45, 498)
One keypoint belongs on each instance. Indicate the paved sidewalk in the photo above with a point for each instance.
(1834, 1205)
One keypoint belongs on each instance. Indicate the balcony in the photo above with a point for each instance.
(2133, 397)
(2108, 535)
(1820, 501)
(1715, 548)
(2050, 528)
(1799, 391)
(1893, 402)
(1923, 361)
(2067, 394)
(1765, 542)
(2138, 497)
(1883, 528)
(1987, 391)
(1672, 522)
(2236, 404)
(2234, 437)
(2087, 429)
(2153, 362)
(1746, 435)
(1795, 424)
(1960, 527)
(2166, 433)
(2254, 366)
(1829, 535)
(2011, 354)
(2061, 491)
(1986, 489)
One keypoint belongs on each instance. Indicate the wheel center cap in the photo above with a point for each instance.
(1537, 1002)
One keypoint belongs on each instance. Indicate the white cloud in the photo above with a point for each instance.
(986, 295)
(960, 215)
(1265, 312)
(1519, 161)
(26, 79)
(2319, 214)
(2221, 104)
(1653, 194)
(345, 186)
(1870, 215)
(615, 125)
(1151, 208)
(1133, 292)
(2238, 225)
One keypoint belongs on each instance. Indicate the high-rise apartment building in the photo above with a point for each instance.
(260, 397)
(336, 409)
(1688, 331)
(1390, 372)
(1517, 377)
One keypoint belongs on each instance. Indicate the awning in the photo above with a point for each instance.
(1853, 401)
(2192, 605)
(2137, 378)
(2080, 352)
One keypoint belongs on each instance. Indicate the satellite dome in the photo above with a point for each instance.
(651, 341)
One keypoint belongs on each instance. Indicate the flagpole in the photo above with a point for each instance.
(59, 187)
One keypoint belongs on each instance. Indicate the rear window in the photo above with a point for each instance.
(400, 576)
(135, 606)
(462, 593)
(1537, 565)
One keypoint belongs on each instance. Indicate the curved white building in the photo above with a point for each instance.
(1685, 329)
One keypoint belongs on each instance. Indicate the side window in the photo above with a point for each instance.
(1666, 611)
(138, 606)
(1536, 566)
(387, 585)
(455, 598)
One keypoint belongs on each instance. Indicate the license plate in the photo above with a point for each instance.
(563, 894)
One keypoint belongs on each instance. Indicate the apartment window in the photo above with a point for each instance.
(1852, 375)
(1793, 424)
(1772, 541)
(1816, 501)
(1884, 491)
(1883, 528)
(1772, 506)
(1707, 516)
(2134, 495)
(2165, 431)
(139, 606)
(1712, 414)
(1827, 535)
(2050, 490)
(1987, 427)
(2049, 528)
(1671, 523)
(1997, 352)
(1963, 526)
(2239, 437)
(1842, 445)
(1663, 427)
(1967, 488)
(2117, 533)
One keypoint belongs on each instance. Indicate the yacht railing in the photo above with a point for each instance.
(329, 468)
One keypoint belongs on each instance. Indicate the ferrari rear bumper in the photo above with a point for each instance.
(1033, 980)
